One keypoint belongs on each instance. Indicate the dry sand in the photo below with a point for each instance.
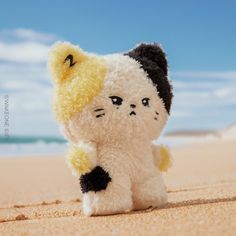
(38, 196)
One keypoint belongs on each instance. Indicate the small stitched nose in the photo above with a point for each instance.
(132, 105)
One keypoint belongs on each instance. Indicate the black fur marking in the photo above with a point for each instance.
(71, 59)
(153, 61)
(132, 105)
(132, 113)
(145, 102)
(155, 118)
(96, 180)
(116, 100)
(100, 115)
(99, 109)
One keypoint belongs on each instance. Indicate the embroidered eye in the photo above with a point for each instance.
(116, 100)
(145, 102)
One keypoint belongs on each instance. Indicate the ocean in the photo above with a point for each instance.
(31, 145)
(44, 146)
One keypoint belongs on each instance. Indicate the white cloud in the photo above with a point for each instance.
(22, 34)
(12, 71)
(30, 94)
(24, 77)
(24, 45)
(197, 85)
(28, 52)
(21, 85)
(181, 114)
(194, 92)
(33, 35)
(224, 92)
(203, 99)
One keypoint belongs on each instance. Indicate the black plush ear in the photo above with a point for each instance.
(153, 61)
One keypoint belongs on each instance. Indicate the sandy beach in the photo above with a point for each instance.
(39, 196)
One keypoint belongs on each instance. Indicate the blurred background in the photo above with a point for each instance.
(198, 36)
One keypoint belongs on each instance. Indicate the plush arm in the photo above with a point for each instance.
(81, 157)
(162, 157)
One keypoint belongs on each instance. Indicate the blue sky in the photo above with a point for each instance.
(198, 36)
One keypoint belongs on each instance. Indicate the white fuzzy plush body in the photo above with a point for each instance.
(136, 182)
(122, 141)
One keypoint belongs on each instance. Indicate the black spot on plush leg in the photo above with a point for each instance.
(96, 180)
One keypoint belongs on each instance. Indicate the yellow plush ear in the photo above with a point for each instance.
(64, 61)
(78, 78)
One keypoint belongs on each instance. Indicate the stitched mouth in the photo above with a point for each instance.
(132, 113)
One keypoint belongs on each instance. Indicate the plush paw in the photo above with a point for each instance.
(162, 157)
(95, 204)
(165, 160)
(81, 158)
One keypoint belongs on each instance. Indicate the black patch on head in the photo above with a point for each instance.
(71, 59)
(96, 180)
(153, 61)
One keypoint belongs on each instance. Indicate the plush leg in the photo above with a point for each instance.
(151, 192)
(104, 193)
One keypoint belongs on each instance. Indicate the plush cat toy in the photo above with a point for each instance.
(111, 108)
